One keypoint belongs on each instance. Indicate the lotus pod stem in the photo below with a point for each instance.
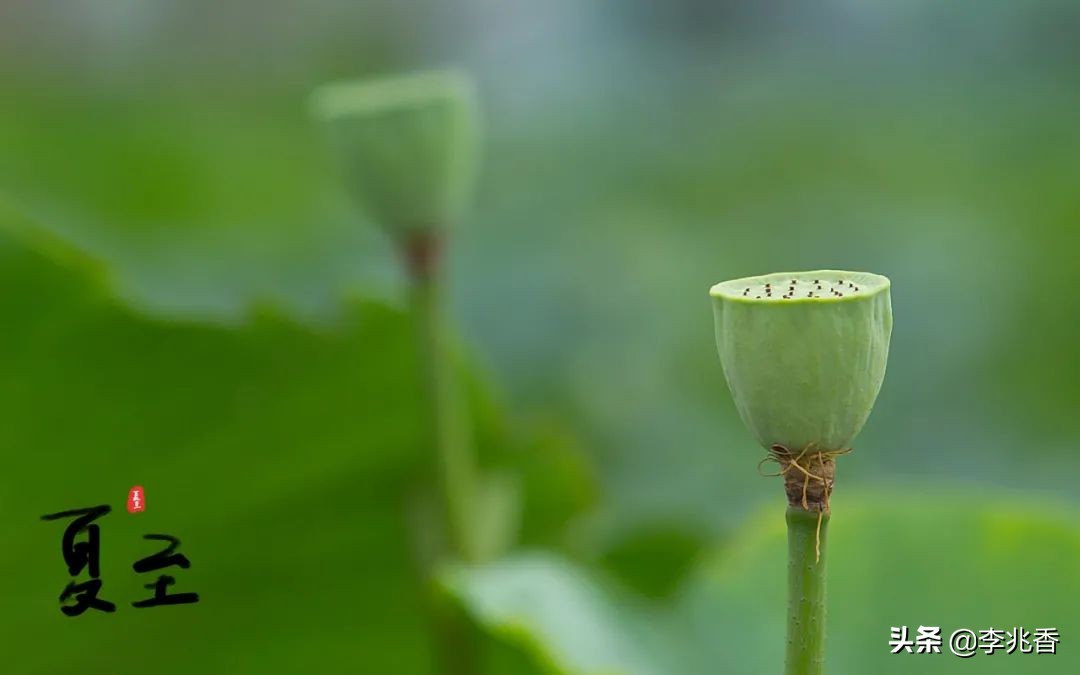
(807, 533)
(804, 355)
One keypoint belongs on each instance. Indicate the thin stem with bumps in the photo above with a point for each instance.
(807, 532)
(808, 482)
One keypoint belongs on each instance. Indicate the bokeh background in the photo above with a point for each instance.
(190, 303)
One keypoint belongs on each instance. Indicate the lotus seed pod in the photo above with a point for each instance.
(804, 353)
(406, 145)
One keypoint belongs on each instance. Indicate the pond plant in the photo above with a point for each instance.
(406, 146)
(804, 355)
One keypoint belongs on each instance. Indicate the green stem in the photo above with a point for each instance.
(450, 432)
(455, 639)
(806, 592)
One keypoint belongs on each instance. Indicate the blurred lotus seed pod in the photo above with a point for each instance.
(406, 145)
(804, 353)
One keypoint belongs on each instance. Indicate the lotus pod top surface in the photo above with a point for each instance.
(804, 353)
(406, 145)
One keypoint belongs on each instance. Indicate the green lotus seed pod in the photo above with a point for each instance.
(406, 145)
(804, 353)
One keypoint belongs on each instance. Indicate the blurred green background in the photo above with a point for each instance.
(189, 303)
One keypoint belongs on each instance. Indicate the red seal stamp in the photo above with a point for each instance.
(136, 500)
